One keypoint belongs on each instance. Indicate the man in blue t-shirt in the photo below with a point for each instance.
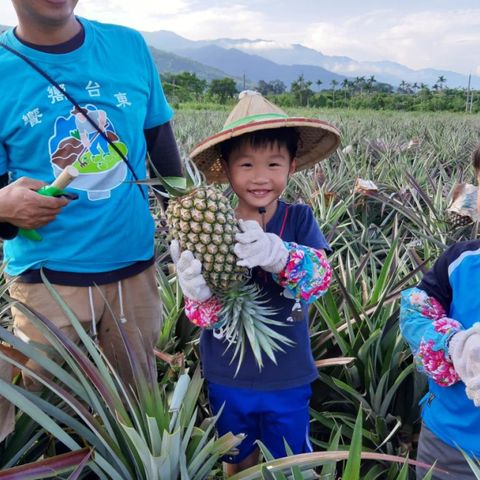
(256, 152)
(98, 251)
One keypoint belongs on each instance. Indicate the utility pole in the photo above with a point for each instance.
(244, 81)
(469, 99)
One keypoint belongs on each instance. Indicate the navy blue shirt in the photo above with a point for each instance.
(295, 366)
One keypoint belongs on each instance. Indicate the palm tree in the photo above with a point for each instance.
(370, 82)
(403, 87)
(334, 84)
(360, 83)
(345, 85)
(301, 90)
(441, 81)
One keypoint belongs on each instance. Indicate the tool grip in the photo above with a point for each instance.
(68, 174)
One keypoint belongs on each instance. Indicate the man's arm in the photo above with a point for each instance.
(163, 150)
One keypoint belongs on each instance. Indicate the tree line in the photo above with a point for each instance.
(358, 93)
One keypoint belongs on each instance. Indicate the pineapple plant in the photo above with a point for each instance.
(201, 218)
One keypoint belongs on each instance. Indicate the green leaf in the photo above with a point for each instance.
(176, 182)
(382, 279)
(329, 469)
(352, 469)
(474, 466)
(48, 467)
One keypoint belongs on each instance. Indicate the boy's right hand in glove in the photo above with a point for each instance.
(255, 247)
(189, 274)
(464, 350)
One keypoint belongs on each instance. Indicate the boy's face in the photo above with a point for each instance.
(258, 175)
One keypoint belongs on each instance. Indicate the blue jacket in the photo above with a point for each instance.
(446, 300)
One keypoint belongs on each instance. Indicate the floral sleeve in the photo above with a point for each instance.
(428, 330)
(203, 314)
(307, 274)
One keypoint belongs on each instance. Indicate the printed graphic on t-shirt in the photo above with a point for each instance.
(76, 142)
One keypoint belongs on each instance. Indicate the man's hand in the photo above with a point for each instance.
(464, 350)
(21, 206)
(189, 274)
(257, 248)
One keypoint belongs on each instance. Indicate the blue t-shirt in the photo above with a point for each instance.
(294, 223)
(113, 77)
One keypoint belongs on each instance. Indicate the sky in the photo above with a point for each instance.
(441, 34)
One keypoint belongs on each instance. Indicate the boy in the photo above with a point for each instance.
(439, 319)
(259, 147)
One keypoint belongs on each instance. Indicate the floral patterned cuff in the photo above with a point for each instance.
(203, 314)
(428, 330)
(307, 274)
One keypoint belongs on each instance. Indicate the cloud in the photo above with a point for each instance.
(7, 14)
(140, 14)
(437, 38)
(184, 17)
(260, 45)
(447, 39)
(145, 8)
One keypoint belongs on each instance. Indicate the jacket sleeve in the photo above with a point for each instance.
(204, 314)
(427, 329)
(307, 274)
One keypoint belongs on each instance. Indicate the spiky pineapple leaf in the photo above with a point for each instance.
(48, 467)
(179, 183)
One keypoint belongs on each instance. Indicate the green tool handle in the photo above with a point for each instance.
(55, 189)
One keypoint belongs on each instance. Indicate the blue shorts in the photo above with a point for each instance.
(268, 416)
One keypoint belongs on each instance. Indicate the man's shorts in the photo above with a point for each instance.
(272, 417)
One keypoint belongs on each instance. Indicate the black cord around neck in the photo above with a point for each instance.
(77, 106)
(262, 211)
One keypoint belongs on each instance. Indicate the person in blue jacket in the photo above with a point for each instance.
(256, 152)
(440, 319)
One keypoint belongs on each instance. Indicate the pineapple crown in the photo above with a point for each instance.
(173, 187)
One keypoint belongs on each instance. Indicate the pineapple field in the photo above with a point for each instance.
(381, 201)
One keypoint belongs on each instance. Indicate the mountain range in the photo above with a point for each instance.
(265, 60)
(248, 61)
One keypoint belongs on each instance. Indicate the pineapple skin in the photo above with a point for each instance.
(204, 222)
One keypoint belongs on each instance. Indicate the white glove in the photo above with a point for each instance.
(189, 274)
(464, 350)
(257, 248)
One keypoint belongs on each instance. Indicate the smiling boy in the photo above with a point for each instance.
(256, 152)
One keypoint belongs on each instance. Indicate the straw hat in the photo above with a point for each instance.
(317, 138)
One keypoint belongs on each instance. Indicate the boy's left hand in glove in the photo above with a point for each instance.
(189, 274)
(256, 248)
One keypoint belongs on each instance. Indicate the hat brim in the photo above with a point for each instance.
(317, 140)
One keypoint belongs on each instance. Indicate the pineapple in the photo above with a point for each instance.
(201, 218)
(203, 222)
